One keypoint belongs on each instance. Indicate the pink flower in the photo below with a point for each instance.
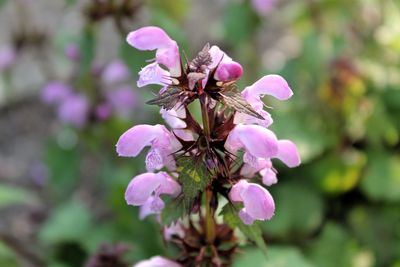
(115, 72)
(258, 202)
(145, 190)
(103, 111)
(163, 143)
(227, 68)
(74, 110)
(8, 56)
(153, 74)
(154, 38)
(256, 140)
(55, 92)
(157, 261)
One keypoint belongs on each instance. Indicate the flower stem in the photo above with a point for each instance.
(204, 116)
(209, 219)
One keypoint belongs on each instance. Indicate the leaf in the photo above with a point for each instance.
(238, 103)
(382, 177)
(70, 222)
(172, 211)
(299, 211)
(252, 232)
(167, 99)
(10, 195)
(282, 256)
(194, 178)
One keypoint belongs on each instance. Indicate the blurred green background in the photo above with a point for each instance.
(62, 187)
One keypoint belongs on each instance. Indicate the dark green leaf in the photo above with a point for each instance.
(194, 178)
(167, 99)
(252, 232)
(172, 211)
(235, 100)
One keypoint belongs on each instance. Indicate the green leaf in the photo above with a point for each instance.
(194, 177)
(70, 222)
(172, 211)
(253, 232)
(277, 257)
(2, 3)
(235, 100)
(10, 195)
(382, 177)
(168, 99)
(299, 211)
(70, 2)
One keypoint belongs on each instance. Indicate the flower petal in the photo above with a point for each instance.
(141, 187)
(136, 138)
(258, 202)
(288, 154)
(273, 85)
(154, 38)
(229, 71)
(168, 186)
(268, 176)
(257, 140)
(152, 74)
(157, 261)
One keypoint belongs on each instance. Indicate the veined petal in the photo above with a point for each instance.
(136, 138)
(153, 74)
(273, 85)
(146, 209)
(141, 188)
(257, 140)
(157, 261)
(173, 117)
(288, 153)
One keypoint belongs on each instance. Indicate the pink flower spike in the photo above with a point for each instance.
(257, 140)
(258, 202)
(273, 85)
(136, 138)
(288, 153)
(154, 38)
(153, 74)
(157, 261)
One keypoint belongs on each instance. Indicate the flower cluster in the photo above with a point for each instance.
(192, 161)
(112, 94)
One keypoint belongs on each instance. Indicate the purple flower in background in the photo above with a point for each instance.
(263, 7)
(55, 92)
(122, 100)
(74, 110)
(157, 261)
(103, 111)
(115, 72)
(72, 52)
(8, 56)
